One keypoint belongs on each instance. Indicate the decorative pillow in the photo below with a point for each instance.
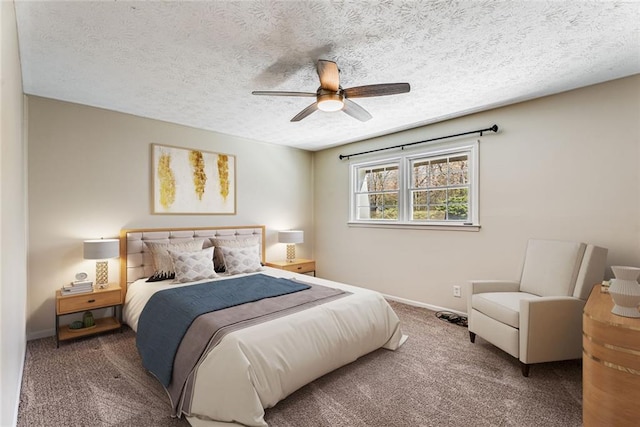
(162, 264)
(241, 260)
(218, 259)
(193, 266)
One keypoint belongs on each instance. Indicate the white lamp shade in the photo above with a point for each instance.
(291, 236)
(101, 249)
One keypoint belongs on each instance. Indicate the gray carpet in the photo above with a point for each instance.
(438, 378)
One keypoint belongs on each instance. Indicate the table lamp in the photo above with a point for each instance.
(291, 237)
(102, 250)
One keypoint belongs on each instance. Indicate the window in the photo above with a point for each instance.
(377, 192)
(426, 188)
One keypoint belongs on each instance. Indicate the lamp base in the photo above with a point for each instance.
(102, 274)
(291, 253)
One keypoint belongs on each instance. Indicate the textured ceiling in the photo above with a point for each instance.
(196, 63)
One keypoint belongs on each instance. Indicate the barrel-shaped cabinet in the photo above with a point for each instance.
(611, 364)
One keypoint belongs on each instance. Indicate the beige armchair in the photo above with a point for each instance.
(539, 318)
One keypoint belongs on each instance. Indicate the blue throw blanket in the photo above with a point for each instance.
(169, 313)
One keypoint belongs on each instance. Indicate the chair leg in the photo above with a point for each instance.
(525, 369)
(472, 337)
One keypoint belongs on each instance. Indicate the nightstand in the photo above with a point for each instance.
(111, 296)
(300, 265)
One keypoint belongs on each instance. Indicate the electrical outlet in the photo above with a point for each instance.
(457, 292)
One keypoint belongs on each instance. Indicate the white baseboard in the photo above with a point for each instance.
(423, 305)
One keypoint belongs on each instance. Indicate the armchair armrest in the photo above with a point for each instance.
(480, 286)
(551, 329)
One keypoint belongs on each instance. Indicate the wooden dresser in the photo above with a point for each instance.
(611, 365)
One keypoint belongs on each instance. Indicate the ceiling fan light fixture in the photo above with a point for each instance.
(331, 97)
(330, 102)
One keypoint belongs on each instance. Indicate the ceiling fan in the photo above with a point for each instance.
(330, 96)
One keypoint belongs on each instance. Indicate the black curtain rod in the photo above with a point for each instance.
(493, 128)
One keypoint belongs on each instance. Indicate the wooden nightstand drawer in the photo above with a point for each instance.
(300, 265)
(306, 267)
(97, 299)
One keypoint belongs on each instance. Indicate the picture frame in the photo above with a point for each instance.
(191, 181)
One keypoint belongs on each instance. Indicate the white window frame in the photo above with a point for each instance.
(472, 223)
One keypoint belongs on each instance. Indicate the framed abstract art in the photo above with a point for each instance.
(186, 181)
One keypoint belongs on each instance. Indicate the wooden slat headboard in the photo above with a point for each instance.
(135, 259)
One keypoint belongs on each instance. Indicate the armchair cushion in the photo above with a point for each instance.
(501, 306)
(480, 286)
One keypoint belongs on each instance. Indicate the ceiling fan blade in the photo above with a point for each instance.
(329, 75)
(280, 93)
(355, 111)
(304, 113)
(377, 90)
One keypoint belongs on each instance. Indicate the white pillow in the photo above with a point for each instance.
(230, 242)
(241, 260)
(162, 263)
(193, 266)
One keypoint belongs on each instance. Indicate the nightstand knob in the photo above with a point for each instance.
(91, 300)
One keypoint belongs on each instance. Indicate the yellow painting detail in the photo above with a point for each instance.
(167, 181)
(223, 173)
(199, 175)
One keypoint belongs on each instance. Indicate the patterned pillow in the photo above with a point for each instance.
(162, 264)
(193, 266)
(218, 259)
(241, 260)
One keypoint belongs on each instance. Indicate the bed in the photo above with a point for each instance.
(255, 364)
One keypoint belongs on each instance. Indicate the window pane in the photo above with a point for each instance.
(419, 212)
(376, 213)
(377, 206)
(437, 213)
(458, 170)
(438, 173)
(390, 199)
(390, 212)
(437, 196)
(457, 212)
(458, 195)
(378, 178)
(375, 199)
(419, 175)
(362, 179)
(419, 198)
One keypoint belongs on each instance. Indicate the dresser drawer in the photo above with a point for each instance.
(75, 303)
(306, 267)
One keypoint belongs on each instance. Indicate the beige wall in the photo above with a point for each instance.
(561, 167)
(89, 177)
(13, 221)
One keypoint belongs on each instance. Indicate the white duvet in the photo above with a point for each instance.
(254, 368)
